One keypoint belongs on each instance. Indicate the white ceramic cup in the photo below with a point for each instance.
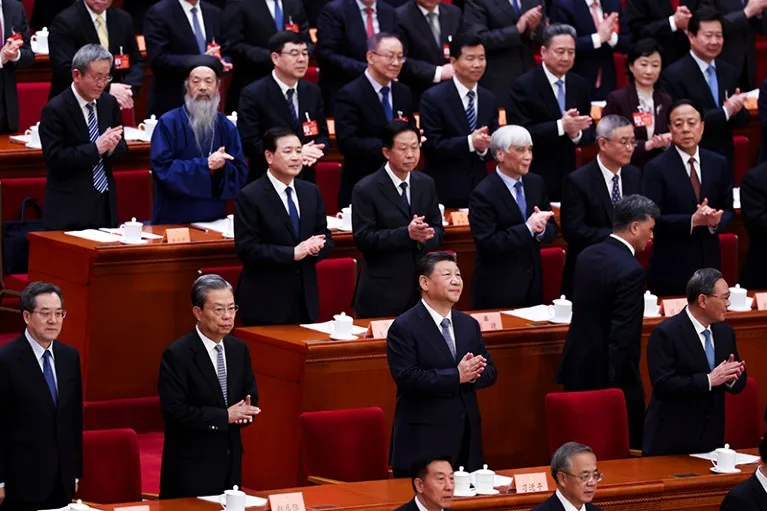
(562, 309)
(484, 479)
(230, 225)
(132, 230)
(346, 218)
(79, 506)
(650, 304)
(738, 297)
(39, 41)
(34, 135)
(462, 481)
(233, 500)
(342, 326)
(442, 211)
(725, 459)
(148, 126)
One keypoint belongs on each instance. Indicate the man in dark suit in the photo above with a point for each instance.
(510, 216)
(438, 361)
(695, 206)
(662, 20)
(396, 219)
(432, 481)
(41, 408)
(426, 28)
(710, 82)
(458, 117)
(207, 393)
(81, 133)
(88, 22)
(751, 494)
(343, 30)
(602, 31)
(606, 330)
(554, 105)
(267, 104)
(753, 207)
(508, 30)
(590, 193)
(179, 35)
(365, 107)
(280, 233)
(15, 53)
(574, 468)
(247, 29)
(693, 361)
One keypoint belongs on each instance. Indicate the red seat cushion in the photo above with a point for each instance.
(336, 281)
(230, 274)
(740, 159)
(33, 96)
(742, 420)
(111, 467)
(6, 338)
(552, 268)
(728, 247)
(141, 414)
(134, 195)
(16, 282)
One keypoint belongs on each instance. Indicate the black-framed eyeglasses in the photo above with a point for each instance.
(296, 53)
(586, 478)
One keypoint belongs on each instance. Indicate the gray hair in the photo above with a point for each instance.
(633, 208)
(702, 282)
(205, 283)
(562, 459)
(509, 136)
(28, 300)
(374, 41)
(610, 123)
(90, 53)
(556, 29)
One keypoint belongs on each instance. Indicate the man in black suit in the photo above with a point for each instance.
(508, 29)
(751, 494)
(81, 133)
(458, 117)
(247, 30)
(432, 481)
(267, 104)
(554, 105)
(207, 393)
(590, 193)
(15, 53)
(88, 22)
(438, 361)
(510, 216)
(41, 408)
(365, 107)
(693, 361)
(753, 207)
(343, 30)
(179, 35)
(396, 219)
(606, 330)
(426, 28)
(695, 206)
(660, 20)
(711, 82)
(280, 233)
(574, 468)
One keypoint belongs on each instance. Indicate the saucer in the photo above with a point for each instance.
(471, 493)
(552, 319)
(749, 303)
(491, 491)
(137, 242)
(228, 235)
(720, 471)
(31, 146)
(350, 338)
(445, 223)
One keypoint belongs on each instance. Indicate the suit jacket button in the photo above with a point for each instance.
(228, 452)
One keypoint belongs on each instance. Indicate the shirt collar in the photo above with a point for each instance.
(550, 76)
(462, 90)
(686, 157)
(589, 3)
(80, 100)
(376, 86)
(418, 504)
(702, 65)
(36, 348)
(624, 242)
(362, 6)
(426, 13)
(761, 478)
(209, 343)
(187, 6)
(94, 15)
(695, 323)
(279, 185)
(507, 180)
(283, 86)
(607, 173)
(435, 316)
(567, 504)
(397, 181)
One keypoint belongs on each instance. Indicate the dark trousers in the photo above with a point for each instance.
(101, 215)
(57, 499)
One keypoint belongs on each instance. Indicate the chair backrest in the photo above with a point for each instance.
(128, 116)
(33, 96)
(742, 420)
(552, 268)
(230, 274)
(328, 177)
(596, 418)
(619, 60)
(740, 161)
(141, 414)
(312, 74)
(111, 467)
(346, 445)
(14, 190)
(134, 194)
(728, 248)
(336, 281)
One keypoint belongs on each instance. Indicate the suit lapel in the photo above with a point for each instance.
(77, 114)
(706, 188)
(28, 360)
(505, 194)
(598, 181)
(760, 496)
(113, 32)
(693, 70)
(583, 13)
(104, 114)
(354, 22)
(374, 99)
(262, 12)
(386, 186)
(547, 94)
(185, 26)
(485, 112)
(460, 111)
(204, 364)
(431, 331)
(505, 6)
(211, 28)
(282, 103)
(417, 207)
(692, 339)
(399, 109)
(422, 25)
(661, 123)
(685, 185)
(307, 207)
(462, 335)
(721, 350)
(278, 206)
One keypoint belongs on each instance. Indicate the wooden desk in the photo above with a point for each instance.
(301, 370)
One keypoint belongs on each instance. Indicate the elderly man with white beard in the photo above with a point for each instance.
(196, 156)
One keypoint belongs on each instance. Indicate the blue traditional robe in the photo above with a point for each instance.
(186, 190)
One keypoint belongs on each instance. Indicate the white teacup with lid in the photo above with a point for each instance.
(738, 298)
(79, 506)
(39, 41)
(233, 117)
(650, 304)
(148, 126)
(561, 310)
(132, 231)
(34, 136)
(462, 484)
(346, 218)
(725, 460)
(233, 500)
(341, 327)
(483, 481)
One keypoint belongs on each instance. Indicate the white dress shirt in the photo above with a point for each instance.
(567, 504)
(699, 330)
(553, 83)
(210, 347)
(397, 181)
(437, 318)
(761, 478)
(188, 11)
(280, 187)
(84, 106)
(438, 71)
(463, 93)
(607, 174)
(284, 88)
(39, 351)
(363, 13)
(703, 66)
(510, 183)
(377, 87)
(94, 16)
(686, 161)
(624, 242)
(420, 506)
(270, 6)
(595, 36)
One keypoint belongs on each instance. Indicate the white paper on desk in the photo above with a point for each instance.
(132, 134)
(536, 314)
(95, 235)
(216, 225)
(144, 234)
(250, 500)
(325, 328)
(753, 93)
(498, 480)
(740, 458)
(22, 139)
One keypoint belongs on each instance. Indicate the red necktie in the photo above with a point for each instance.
(694, 181)
(370, 29)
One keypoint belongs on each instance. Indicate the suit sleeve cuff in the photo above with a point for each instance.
(560, 128)
(437, 74)
(613, 40)
(471, 145)
(577, 138)
(596, 41)
(18, 56)
(672, 23)
(730, 385)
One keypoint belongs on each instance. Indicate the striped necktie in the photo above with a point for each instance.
(100, 182)
(221, 372)
(471, 115)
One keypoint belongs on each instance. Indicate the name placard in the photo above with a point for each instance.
(531, 483)
(378, 329)
(459, 218)
(761, 301)
(673, 306)
(488, 321)
(177, 235)
(287, 502)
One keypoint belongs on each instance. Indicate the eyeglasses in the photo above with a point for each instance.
(101, 78)
(725, 297)
(586, 478)
(296, 53)
(392, 59)
(628, 144)
(48, 314)
(219, 311)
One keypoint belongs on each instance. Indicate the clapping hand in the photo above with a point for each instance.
(538, 219)
(418, 230)
(312, 152)
(217, 159)
(573, 122)
(242, 412)
(108, 140)
(727, 372)
(310, 246)
(471, 367)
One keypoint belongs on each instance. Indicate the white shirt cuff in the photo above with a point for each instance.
(613, 40)
(672, 23)
(596, 41)
(437, 74)
(483, 153)
(560, 128)
(577, 138)
(726, 114)
(530, 229)
(18, 56)
(471, 144)
(709, 382)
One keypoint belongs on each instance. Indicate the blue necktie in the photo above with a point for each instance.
(515, 7)
(445, 324)
(221, 372)
(292, 210)
(471, 115)
(197, 30)
(49, 379)
(616, 193)
(278, 19)
(519, 192)
(100, 182)
(709, 349)
(561, 95)
(713, 83)
(292, 108)
(405, 202)
(385, 103)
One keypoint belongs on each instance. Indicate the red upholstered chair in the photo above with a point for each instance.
(312, 74)
(328, 176)
(6, 338)
(761, 60)
(134, 195)
(742, 420)
(129, 117)
(552, 267)
(740, 161)
(230, 274)
(728, 247)
(619, 59)
(29, 5)
(596, 418)
(336, 281)
(33, 96)
(490, 166)
(111, 467)
(344, 445)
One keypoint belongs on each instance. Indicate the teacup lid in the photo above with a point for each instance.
(737, 287)
(234, 491)
(648, 293)
(341, 317)
(43, 31)
(460, 472)
(233, 114)
(725, 448)
(79, 505)
(484, 471)
(562, 299)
